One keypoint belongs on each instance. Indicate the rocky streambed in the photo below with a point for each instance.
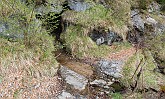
(82, 81)
(100, 79)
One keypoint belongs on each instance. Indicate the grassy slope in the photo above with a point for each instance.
(22, 66)
(76, 37)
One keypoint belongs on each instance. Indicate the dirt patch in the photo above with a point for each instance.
(79, 67)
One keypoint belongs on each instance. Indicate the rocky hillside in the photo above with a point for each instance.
(82, 49)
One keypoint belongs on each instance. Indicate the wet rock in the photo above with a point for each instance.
(137, 21)
(78, 5)
(109, 68)
(73, 79)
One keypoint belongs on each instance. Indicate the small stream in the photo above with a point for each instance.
(83, 81)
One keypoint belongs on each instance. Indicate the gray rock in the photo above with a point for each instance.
(49, 8)
(99, 82)
(151, 21)
(65, 95)
(137, 21)
(134, 13)
(160, 28)
(3, 27)
(157, 26)
(73, 79)
(100, 41)
(154, 7)
(110, 68)
(4, 32)
(111, 36)
(78, 5)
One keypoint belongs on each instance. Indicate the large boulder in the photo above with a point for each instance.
(72, 79)
(109, 68)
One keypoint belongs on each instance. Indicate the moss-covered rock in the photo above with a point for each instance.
(95, 17)
(82, 46)
(140, 68)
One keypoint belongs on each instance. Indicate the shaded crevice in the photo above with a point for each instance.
(100, 36)
(134, 36)
(53, 22)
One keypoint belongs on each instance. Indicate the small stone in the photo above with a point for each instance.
(151, 21)
(65, 95)
(106, 87)
(37, 86)
(110, 83)
(99, 82)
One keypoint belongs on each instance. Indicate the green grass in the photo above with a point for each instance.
(148, 78)
(96, 16)
(116, 96)
(16, 55)
(34, 49)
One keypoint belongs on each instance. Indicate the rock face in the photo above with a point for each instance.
(73, 79)
(109, 68)
(137, 21)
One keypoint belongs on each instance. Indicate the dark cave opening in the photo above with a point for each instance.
(100, 36)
